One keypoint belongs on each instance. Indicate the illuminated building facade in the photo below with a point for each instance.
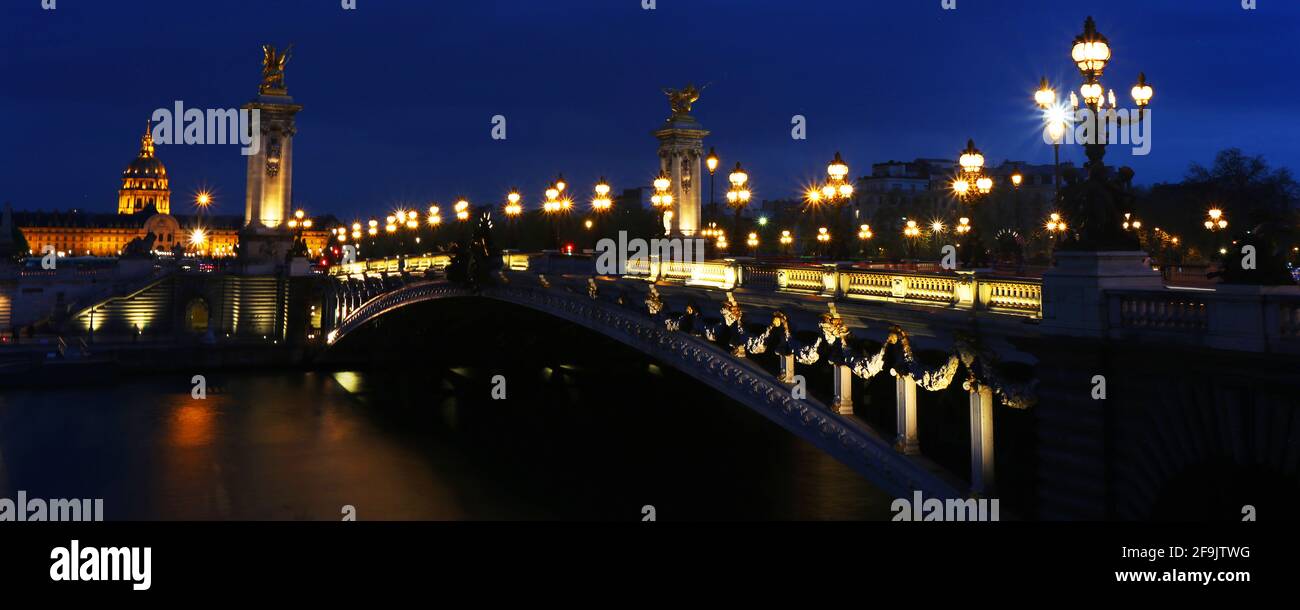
(143, 207)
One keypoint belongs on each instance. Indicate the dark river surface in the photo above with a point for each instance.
(588, 430)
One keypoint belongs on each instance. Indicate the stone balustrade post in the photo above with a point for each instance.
(831, 281)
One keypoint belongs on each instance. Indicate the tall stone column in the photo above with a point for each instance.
(268, 198)
(270, 171)
(681, 152)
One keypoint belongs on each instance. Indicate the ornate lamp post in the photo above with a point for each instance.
(738, 196)
(1215, 220)
(198, 238)
(1055, 227)
(662, 200)
(601, 202)
(553, 205)
(1094, 206)
(1055, 224)
(514, 208)
(972, 184)
(836, 191)
(963, 226)
(823, 239)
(711, 162)
(1055, 123)
(202, 200)
(911, 232)
(864, 235)
(970, 187)
(600, 205)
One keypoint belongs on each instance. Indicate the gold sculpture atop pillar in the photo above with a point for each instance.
(273, 69)
(682, 99)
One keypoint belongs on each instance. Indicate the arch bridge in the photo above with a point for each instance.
(718, 321)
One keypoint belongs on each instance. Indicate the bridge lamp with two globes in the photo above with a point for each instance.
(739, 195)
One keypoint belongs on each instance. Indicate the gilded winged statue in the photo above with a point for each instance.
(273, 68)
(682, 99)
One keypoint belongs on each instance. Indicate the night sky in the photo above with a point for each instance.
(399, 94)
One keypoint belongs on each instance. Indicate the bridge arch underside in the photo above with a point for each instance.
(749, 381)
(1219, 439)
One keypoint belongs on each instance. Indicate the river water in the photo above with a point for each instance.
(594, 437)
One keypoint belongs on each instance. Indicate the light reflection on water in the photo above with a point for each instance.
(572, 442)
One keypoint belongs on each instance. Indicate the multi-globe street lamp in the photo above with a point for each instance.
(1055, 123)
(836, 191)
(601, 202)
(662, 200)
(1091, 53)
(911, 233)
(514, 206)
(864, 235)
(971, 184)
(1215, 220)
(739, 195)
(1055, 224)
(554, 204)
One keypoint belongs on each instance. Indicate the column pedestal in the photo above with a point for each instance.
(787, 368)
(907, 441)
(843, 379)
(981, 440)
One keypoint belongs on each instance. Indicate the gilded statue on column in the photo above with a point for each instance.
(273, 64)
(682, 99)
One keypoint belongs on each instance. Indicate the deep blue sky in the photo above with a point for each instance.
(398, 94)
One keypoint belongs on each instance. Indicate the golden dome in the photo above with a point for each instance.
(144, 181)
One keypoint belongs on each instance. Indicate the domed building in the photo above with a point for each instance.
(144, 181)
(144, 207)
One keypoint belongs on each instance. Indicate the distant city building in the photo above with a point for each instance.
(143, 207)
(923, 187)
